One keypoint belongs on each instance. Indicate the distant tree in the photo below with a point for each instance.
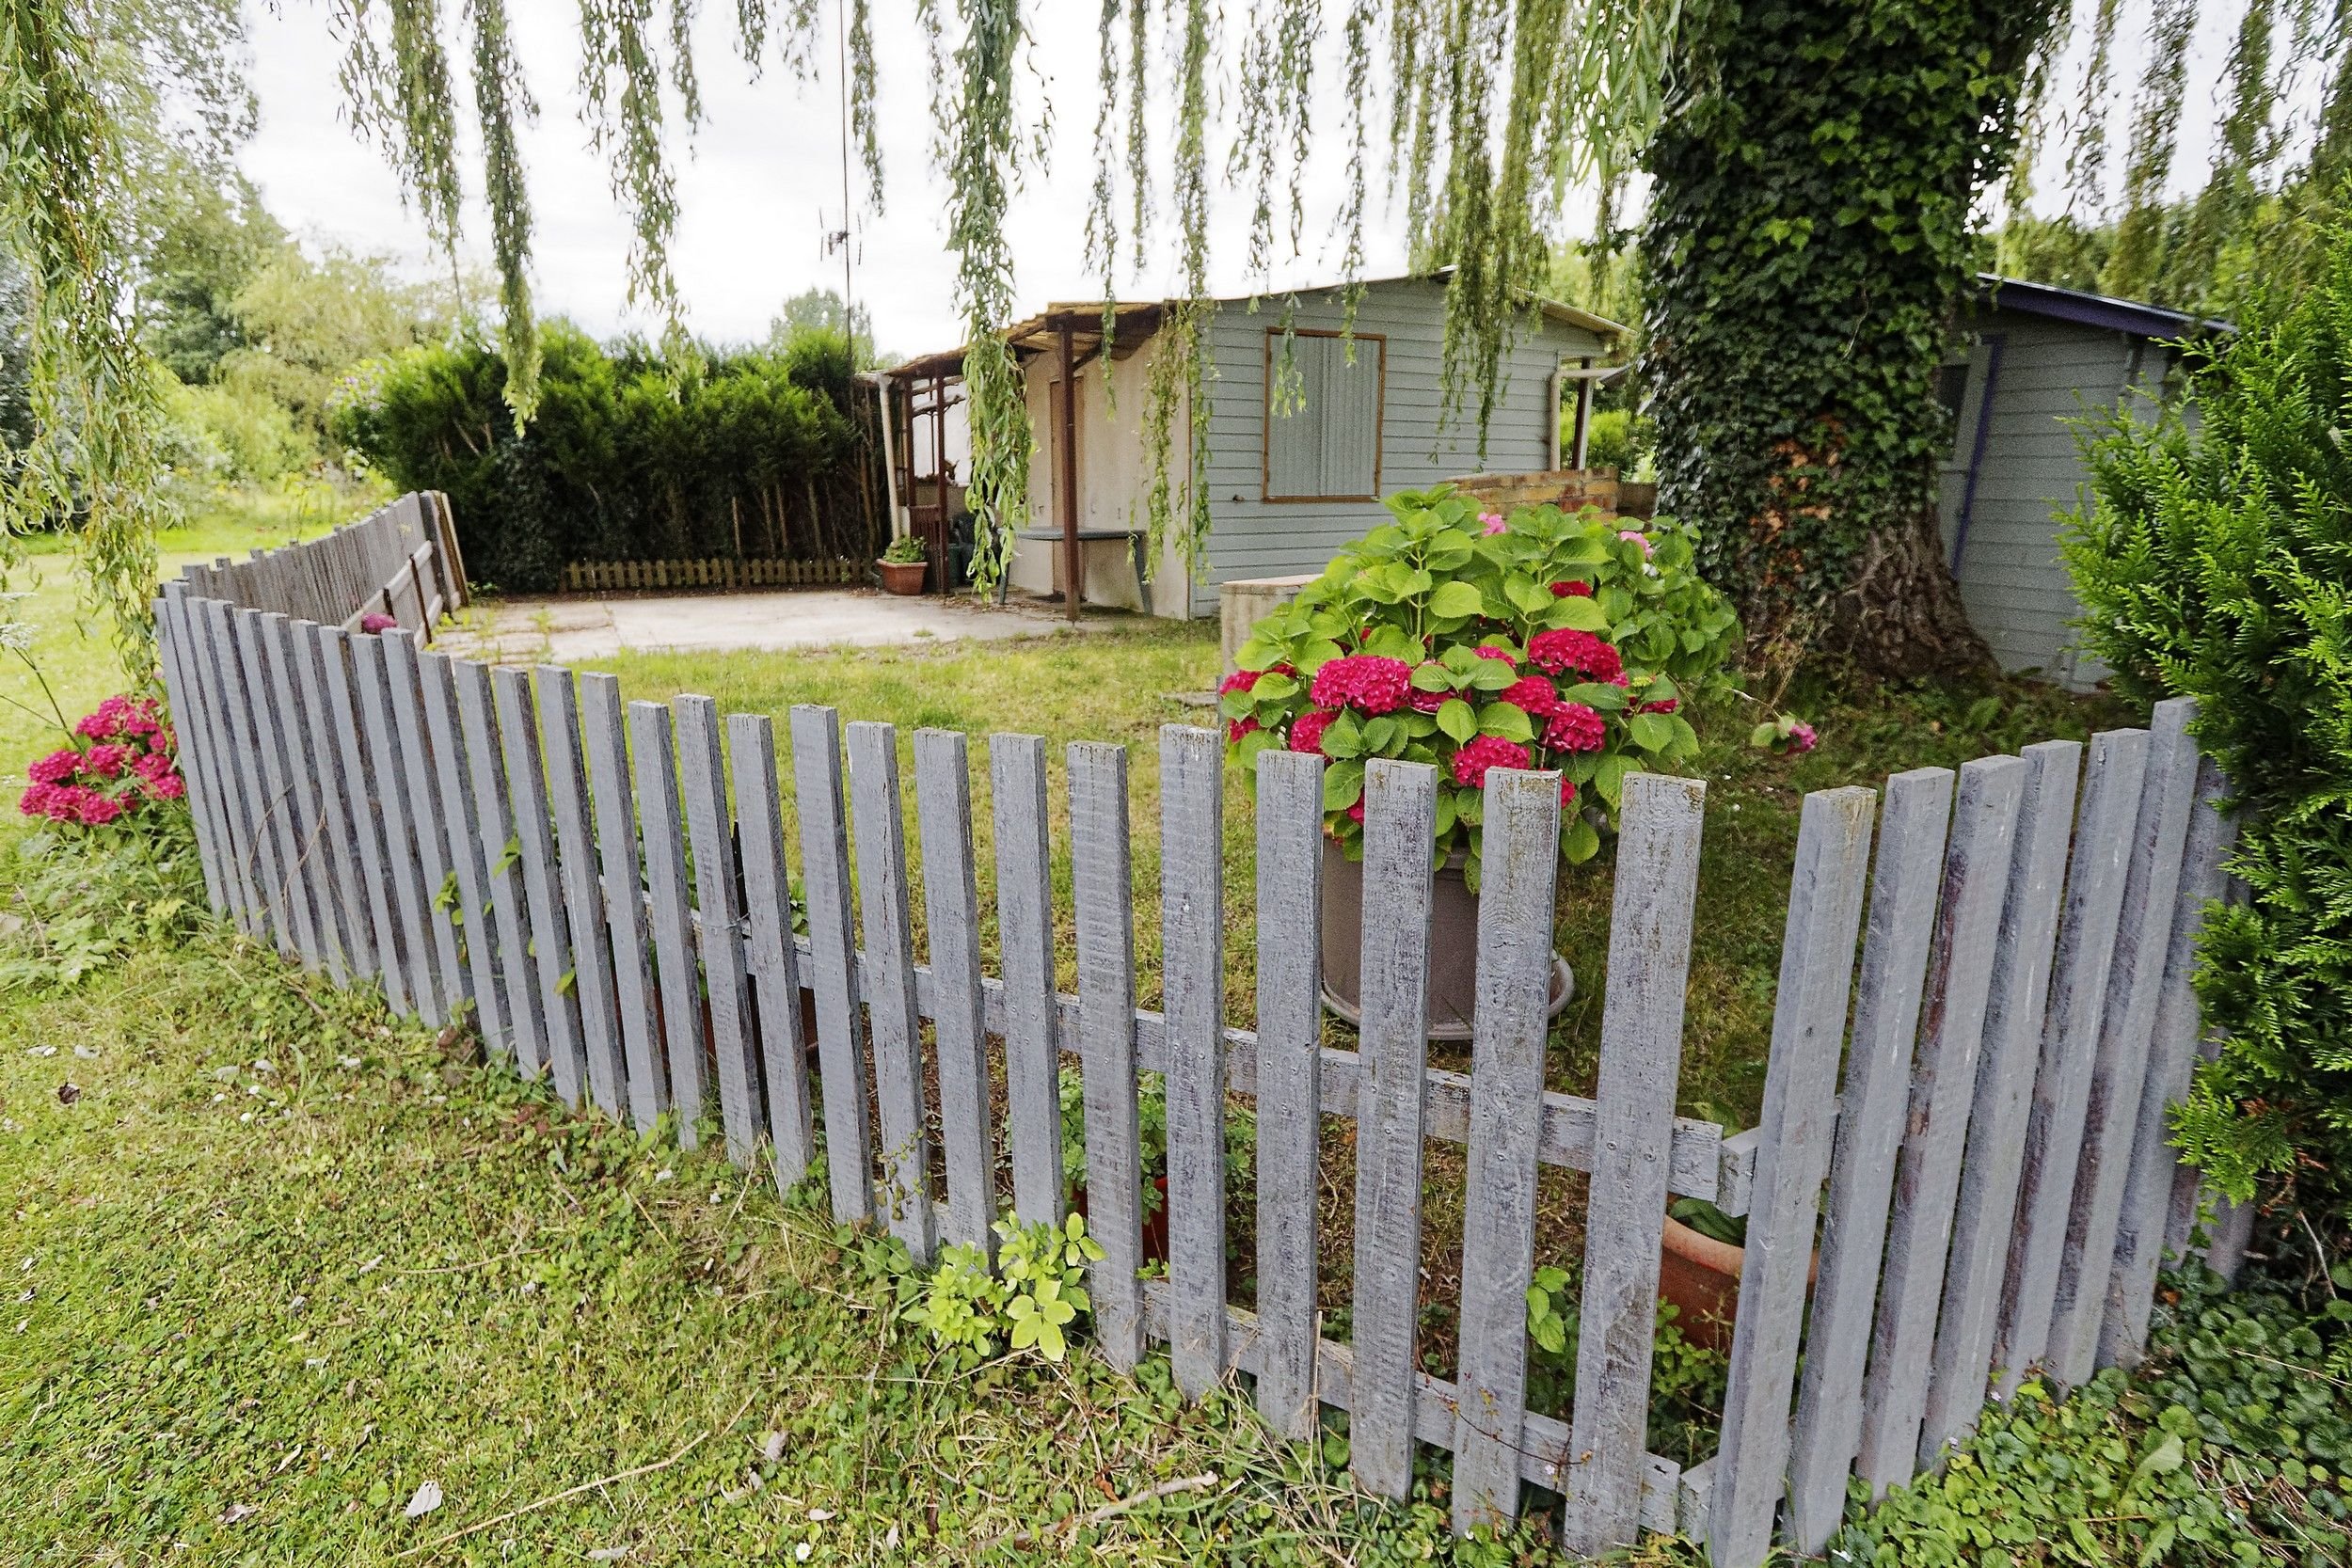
(821, 309)
(204, 238)
(308, 326)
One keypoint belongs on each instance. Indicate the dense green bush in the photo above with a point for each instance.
(752, 454)
(2216, 562)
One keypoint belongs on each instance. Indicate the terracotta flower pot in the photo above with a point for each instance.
(1452, 947)
(1701, 1276)
(903, 578)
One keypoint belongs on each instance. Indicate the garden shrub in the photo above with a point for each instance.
(750, 454)
(2216, 562)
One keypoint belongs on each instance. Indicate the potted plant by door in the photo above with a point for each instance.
(904, 564)
(1469, 640)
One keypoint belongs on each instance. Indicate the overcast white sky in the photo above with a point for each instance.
(761, 181)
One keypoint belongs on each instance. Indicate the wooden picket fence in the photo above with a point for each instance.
(1988, 1119)
(582, 576)
(400, 560)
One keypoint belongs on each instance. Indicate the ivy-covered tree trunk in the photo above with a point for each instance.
(1809, 238)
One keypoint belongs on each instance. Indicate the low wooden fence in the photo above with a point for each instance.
(583, 577)
(400, 560)
(1986, 1118)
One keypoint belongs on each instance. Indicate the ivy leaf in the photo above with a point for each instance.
(1457, 719)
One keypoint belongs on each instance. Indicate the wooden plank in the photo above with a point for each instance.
(2142, 1221)
(515, 974)
(250, 902)
(583, 893)
(890, 1013)
(1289, 1084)
(543, 888)
(340, 801)
(742, 1109)
(186, 700)
(1640, 1054)
(2135, 985)
(774, 959)
(279, 640)
(1400, 812)
(2003, 1093)
(1828, 1429)
(662, 815)
(1024, 940)
(833, 962)
(1816, 961)
(622, 884)
(2070, 1037)
(1192, 960)
(1103, 898)
(1943, 1085)
(951, 915)
(279, 807)
(404, 864)
(1520, 845)
(426, 817)
(477, 938)
(368, 815)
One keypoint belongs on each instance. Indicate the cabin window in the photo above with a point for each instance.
(1323, 417)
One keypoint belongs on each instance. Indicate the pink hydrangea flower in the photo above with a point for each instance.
(170, 787)
(1365, 682)
(1239, 727)
(105, 721)
(1638, 537)
(150, 765)
(1571, 590)
(97, 810)
(1802, 735)
(65, 802)
(1575, 727)
(35, 800)
(1356, 813)
(1567, 792)
(1532, 692)
(1491, 523)
(1564, 648)
(1488, 650)
(54, 768)
(108, 762)
(1483, 752)
(1668, 705)
(377, 620)
(1307, 730)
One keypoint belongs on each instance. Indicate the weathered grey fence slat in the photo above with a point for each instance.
(774, 957)
(279, 807)
(338, 791)
(279, 640)
(231, 637)
(1024, 935)
(718, 898)
(1808, 1028)
(368, 817)
(1520, 857)
(2003, 1092)
(550, 955)
(893, 1018)
(1943, 1085)
(411, 745)
(203, 737)
(2078, 985)
(509, 923)
(1289, 1084)
(404, 864)
(622, 884)
(1827, 1433)
(1400, 821)
(2142, 1221)
(477, 939)
(230, 802)
(1192, 959)
(1640, 1054)
(662, 816)
(951, 909)
(186, 699)
(1102, 892)
(2135, 985)
(584, 895)
(833, 962)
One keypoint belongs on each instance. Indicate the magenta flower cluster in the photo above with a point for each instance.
(128, 766)
(1365, 682)
(377, 620)
(1565, 650)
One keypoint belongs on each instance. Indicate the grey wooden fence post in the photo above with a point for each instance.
(774, 959)
(509, 923)
(833, 960)
(1103, 893)
(369, 818)
(2003, 1093)
(1290, 1083)
(673, 922)
(279, 640)
(1400, 821)
(2078, 985)
(1808, 1028)
(299, 940)
(2135, 985)
(186, 700)
(425, 811)
(742, 1111)
(621, 881)
(231, 805)
(584, 892)
(1024, 935)
(479, 941)
(892, 1015)
(341, 799)
(403, 861)
(1520, 859)
(951, 909)
(551, 953)
(1192, 962)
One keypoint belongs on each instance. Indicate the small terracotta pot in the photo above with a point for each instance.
(1701, 1276)
(903, 578)
(1154, 1226)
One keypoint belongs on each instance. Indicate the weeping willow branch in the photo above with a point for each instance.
(863, 88)
(1181, 371)
(499, 98)
(1102, 233)
(2155, 127)
(2086, 157)
(981, 171)
(613, 42)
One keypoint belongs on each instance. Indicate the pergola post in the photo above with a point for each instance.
(1066, 496)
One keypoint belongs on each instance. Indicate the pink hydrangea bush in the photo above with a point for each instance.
(1469, 640)
(124, 764)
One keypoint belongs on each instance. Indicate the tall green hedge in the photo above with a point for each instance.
(2216, 562)
(750, 454)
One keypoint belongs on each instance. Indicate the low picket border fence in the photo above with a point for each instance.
(1982, 1100)
(591, 577)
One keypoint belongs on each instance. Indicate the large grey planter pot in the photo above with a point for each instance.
(1452, 947)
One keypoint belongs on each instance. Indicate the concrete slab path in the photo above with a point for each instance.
(577, 627)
